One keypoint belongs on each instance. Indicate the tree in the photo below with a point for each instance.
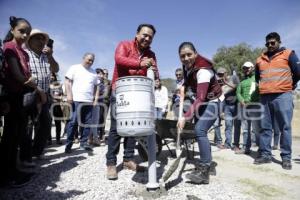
(232, 58)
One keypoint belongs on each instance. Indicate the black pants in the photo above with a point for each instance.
(14, 129)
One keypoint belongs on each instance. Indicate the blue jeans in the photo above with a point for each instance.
(95, 122)
(114, 138)
(207, 115)
(82, 116)
(217, 127)
(277, 107)
(276, 133)
(159, 113)
(251, 115)
(232, 120)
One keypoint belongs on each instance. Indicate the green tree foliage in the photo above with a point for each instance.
(232, 58)
(170, 84)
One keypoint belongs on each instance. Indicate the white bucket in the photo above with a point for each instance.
(134, 106)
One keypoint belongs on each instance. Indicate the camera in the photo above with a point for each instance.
(221, 81)
(50, 43)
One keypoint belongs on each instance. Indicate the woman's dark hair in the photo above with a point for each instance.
(273, 35)
(187, 44)
(14, 21)
(146, 25)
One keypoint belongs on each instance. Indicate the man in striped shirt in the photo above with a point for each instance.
(42, 64)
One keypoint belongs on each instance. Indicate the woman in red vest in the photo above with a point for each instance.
(200, 79)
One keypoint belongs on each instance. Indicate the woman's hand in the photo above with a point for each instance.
(181, 123)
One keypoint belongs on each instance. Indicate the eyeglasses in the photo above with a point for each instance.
(272, 43)
(178, 74)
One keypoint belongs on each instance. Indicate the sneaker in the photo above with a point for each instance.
(262, 160)
(131, 165)
(226, 146)
(286, 164)
(112, 173)
(86, 147)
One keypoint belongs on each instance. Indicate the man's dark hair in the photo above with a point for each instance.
(146, 25)
(273, 35)
(179, 70)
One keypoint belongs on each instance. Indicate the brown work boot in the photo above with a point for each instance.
(112, 173)
(131, 165)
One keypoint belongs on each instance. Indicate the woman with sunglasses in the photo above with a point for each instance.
(200, 78)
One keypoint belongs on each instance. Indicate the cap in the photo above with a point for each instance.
(248, 64)
(37, 32)
(221, 70)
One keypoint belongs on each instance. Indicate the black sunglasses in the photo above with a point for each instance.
(270, 43)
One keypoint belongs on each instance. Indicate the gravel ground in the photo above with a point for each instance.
(82, 176)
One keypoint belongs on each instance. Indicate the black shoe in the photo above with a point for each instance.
(286, 164)
(212, 169)
(262, 160)
(86, 148)
(200, 175)
(68, 151)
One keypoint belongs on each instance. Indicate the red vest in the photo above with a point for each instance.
(275, 74)
(190, 80)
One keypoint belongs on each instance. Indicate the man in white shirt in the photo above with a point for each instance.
(161, 99)
(81, 82)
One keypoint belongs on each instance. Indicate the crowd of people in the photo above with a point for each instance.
(259, 104)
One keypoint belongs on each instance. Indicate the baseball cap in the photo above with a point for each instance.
(221, 70)
(248, 64)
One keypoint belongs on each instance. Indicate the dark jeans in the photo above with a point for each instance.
(114, 138)
(57, 113)
(103, 114)
(208, 114)
(42, 131)
(82, 116)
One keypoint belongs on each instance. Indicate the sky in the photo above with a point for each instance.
(80, 26)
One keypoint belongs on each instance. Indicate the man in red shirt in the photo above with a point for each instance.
(132, 58)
